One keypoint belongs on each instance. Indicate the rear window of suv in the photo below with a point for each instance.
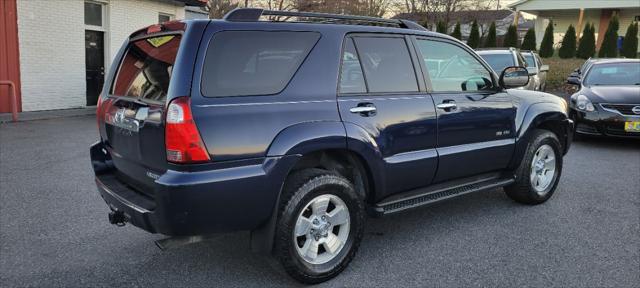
(145, 69)
(250, 63)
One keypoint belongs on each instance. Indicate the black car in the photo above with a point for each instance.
(578, 72)
(608, 101)
(297, 130)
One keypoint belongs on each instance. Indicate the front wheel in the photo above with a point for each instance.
(539, 172)
(320, 225)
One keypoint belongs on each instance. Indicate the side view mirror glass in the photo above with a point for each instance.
(544, 68)
(574, 74)
(532, 71)
(514, 77)
(573, 80)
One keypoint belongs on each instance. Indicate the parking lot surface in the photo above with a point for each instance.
(54, 229)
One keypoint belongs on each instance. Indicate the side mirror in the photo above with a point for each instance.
(544, 68)
(574, 75)
(514, 77)
(532, 71)
(574, 81)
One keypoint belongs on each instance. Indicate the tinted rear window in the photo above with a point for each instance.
(387, 64)
(246, 63)
(145, 69)
(499, 61)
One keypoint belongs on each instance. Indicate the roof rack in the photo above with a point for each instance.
(254, 14)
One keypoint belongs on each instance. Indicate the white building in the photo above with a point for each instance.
(66, 46)
(579, 13)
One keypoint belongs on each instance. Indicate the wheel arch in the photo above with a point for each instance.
(548, 116)
(325, 145)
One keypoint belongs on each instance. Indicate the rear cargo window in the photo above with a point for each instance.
(145, 69)
(246, 63)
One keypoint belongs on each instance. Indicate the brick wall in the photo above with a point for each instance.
(51, 41)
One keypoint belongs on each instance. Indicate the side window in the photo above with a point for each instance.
(251, 63)
(351, 78)
(387, 65)
(452, 68)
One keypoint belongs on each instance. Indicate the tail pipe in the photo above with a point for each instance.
(117, 218)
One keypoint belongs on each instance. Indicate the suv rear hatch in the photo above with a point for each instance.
(131, 119)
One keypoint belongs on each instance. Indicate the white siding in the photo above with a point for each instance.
(127, 16)
(573, 4)
(51, 40)
(563, 18)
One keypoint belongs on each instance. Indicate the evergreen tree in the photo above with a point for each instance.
(456, 32)
(491, 41)
(529, 41)
(511, 38)
(609, 47)
(441, 27)
(568, 48)
(630, 43)
(587, 46)
(474, 36)
(546, 47)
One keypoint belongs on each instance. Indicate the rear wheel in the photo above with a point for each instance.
(320, 225)
(539, 172)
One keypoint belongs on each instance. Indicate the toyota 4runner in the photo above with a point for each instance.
(297, 126)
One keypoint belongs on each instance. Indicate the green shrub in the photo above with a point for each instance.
(546, 47)
(630, 43)
(474, 36)
(587, 46)
(491, 41)
(609, 47)
(568, 48)
(441, 27)
(511, 38)
(529, 41)
(456, 32)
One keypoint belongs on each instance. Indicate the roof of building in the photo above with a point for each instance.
(192, 2)
(461, 16)
(538, 5)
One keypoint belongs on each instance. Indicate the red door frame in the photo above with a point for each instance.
(9, 54)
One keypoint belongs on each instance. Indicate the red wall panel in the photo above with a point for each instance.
(9, 53)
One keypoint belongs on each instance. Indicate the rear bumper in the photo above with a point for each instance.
(603, 123)
(229, 198)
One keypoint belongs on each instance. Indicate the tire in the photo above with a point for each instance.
(532, 190)
(305, 194)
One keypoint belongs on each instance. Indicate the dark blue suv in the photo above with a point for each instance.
(298, 126)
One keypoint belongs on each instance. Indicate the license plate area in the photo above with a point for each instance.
(632, 126)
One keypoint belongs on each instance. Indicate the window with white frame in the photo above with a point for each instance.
(163, 17)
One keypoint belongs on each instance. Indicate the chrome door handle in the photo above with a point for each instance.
(363, 109)
(447, 105)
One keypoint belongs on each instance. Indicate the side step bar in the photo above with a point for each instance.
(430, 195)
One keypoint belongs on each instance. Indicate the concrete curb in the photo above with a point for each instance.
(49, 114)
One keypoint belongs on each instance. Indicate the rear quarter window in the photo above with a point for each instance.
(250, 63)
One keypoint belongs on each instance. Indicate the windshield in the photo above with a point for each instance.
(499, 61)
(614, 74)
(531, 61)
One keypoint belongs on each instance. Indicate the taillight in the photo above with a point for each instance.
(182, 139)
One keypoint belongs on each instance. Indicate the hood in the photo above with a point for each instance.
(613, 94)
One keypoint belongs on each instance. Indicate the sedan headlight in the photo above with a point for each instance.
(584, 104)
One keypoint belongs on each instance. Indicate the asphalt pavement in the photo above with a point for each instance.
(54, 230)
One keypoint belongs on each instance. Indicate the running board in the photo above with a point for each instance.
(437, 193)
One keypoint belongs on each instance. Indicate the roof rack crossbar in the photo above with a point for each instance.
(254, 14)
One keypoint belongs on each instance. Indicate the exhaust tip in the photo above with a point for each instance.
(117, 218)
